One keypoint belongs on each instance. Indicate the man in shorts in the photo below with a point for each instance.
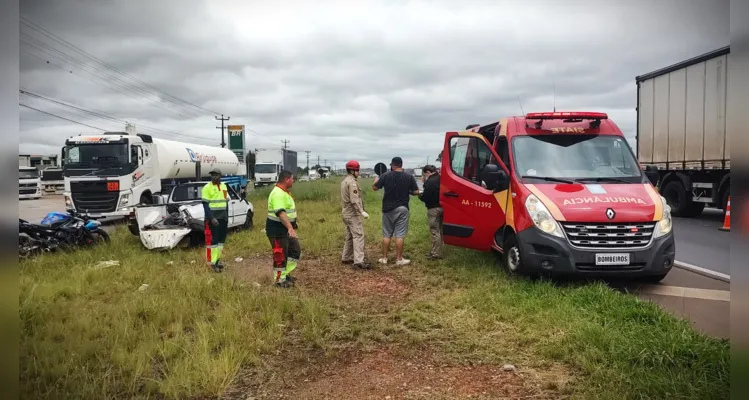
(398, 185)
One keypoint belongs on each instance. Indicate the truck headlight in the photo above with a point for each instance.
(124, 200)
(664, 226)
(68, 202)
(542, 217)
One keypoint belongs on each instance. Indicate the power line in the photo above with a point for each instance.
(34, 26)
(105, 81)
(57, 116)
(105, 116)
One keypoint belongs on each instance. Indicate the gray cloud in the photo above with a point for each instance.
(365, 81)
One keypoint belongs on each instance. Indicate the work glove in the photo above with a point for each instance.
(214, 222)
(364, 214)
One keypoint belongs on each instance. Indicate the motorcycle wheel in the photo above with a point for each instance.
(102, 234)
(26, 247)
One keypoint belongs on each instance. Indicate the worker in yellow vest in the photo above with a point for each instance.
(215, 198)
(280, 227)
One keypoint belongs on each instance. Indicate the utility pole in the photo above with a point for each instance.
(222, 119)
(326, 163)
(285, 144)
(307, 151)
(318, 162)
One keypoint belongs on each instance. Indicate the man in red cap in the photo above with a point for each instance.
(353, 210)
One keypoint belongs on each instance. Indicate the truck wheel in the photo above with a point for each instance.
(248, 222)
(677, 198)
(512, 257)
(724, 200)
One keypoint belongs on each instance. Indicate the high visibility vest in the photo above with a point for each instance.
(281, 200)
(217, 196)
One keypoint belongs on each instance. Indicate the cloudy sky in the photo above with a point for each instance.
(366, 79)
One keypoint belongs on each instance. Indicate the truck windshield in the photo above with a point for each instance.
(28, 174)
(265, 168)
(97, 155)
(575, 157)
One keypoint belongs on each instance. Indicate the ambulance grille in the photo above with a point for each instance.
(609, 235)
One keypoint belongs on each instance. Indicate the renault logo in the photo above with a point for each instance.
(610, 213)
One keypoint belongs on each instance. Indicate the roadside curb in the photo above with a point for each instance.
(703, 271)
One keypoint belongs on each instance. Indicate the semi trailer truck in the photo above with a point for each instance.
(29, 183)
(107, 175)
(52, 181)
(681, 132)
(270, 162)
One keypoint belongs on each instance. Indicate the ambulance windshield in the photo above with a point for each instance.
(576, 157)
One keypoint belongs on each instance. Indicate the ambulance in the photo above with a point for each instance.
(555, 193)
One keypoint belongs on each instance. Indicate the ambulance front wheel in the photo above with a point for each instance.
(512, 257)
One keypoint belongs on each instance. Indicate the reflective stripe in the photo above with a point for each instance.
(273, 217)
(279, 269)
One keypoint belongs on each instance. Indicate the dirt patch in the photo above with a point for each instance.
(340, 278)
(326, 276)
(388, 374)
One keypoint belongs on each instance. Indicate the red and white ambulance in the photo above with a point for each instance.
(555, 193)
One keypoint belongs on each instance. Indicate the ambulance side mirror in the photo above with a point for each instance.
(651, 172)
(494, 177)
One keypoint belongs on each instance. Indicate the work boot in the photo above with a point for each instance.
(215, 268)
(348, 262)
(220, 267)
(284, 284)
(363, 266)
(291, 279)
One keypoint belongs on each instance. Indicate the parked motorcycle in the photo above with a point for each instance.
(59, 230)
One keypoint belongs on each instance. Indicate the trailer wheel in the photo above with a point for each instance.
(677, 198)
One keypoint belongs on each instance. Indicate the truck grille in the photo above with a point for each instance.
(27, 188)
(609, 235)
(93, 196)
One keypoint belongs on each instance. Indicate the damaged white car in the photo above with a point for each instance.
(180, 219)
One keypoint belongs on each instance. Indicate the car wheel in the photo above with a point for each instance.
(248, 222)
(512, 257)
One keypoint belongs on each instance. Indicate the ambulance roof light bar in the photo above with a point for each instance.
(596, 117)
(567, 115)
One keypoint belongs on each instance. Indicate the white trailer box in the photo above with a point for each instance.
(681, 131)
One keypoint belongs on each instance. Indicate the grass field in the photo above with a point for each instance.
(429, 330)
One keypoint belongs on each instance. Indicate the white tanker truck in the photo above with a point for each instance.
(107, 175)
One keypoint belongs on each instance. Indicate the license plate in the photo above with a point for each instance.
(612, 259)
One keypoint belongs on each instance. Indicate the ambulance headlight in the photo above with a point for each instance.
(664, 226)
(542, 217)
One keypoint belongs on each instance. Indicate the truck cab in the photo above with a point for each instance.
(29, 183)
(557, 193)
(105, 175)
(266, 173)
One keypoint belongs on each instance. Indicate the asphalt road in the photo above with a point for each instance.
(699, 241)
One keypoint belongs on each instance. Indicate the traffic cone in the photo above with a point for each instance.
(727, 219)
